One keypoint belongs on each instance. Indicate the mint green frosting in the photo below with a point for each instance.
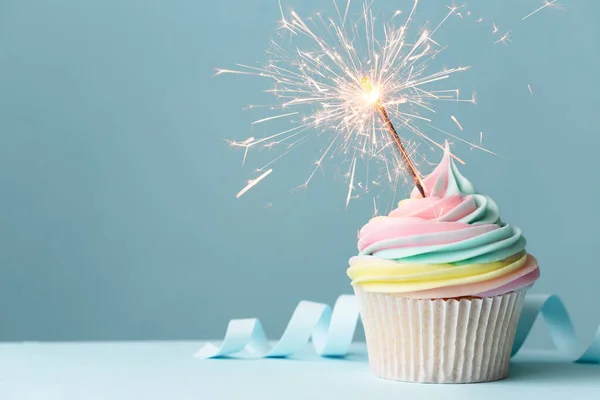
(502, 242)
(487, 211)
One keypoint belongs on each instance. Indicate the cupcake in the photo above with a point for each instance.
(440, 282)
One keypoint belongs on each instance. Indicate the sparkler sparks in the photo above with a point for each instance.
(505, 38)
(252, 183)
(351, 82)
(351, 185)
(546, 4)
(453, 118)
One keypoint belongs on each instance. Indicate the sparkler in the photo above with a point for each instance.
(253, 182)
(351, 82)
(547, 3)
(387, 122)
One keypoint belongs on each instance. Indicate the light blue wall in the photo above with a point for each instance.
(117, 211)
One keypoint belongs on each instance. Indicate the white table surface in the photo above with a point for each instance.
(167, 370)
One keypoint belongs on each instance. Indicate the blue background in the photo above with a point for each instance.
(117, 211)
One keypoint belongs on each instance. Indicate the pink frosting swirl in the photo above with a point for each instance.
(452, 225)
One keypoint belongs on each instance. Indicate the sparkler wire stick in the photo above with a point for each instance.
(387, 122)
(349, 82)
(412, 170)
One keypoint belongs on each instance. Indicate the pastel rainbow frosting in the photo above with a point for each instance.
(450, 244)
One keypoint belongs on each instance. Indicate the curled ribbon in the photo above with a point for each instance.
(332, 330)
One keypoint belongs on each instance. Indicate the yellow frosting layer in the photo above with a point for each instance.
(404, 278)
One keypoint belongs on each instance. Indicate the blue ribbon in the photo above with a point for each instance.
(332, 330)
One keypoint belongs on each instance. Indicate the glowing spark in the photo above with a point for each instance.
(453, 118)
(504, 38)
(480, 137)
(274, 117)
(467, 142)
(252, 183)
(529, 87)
(351, 185)
(345, 13)
(245, 144)
(546, 4)
(495, 28)
(322, 84)
(479, 20)
(375, 210)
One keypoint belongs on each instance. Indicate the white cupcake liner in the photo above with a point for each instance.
(439, 341)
